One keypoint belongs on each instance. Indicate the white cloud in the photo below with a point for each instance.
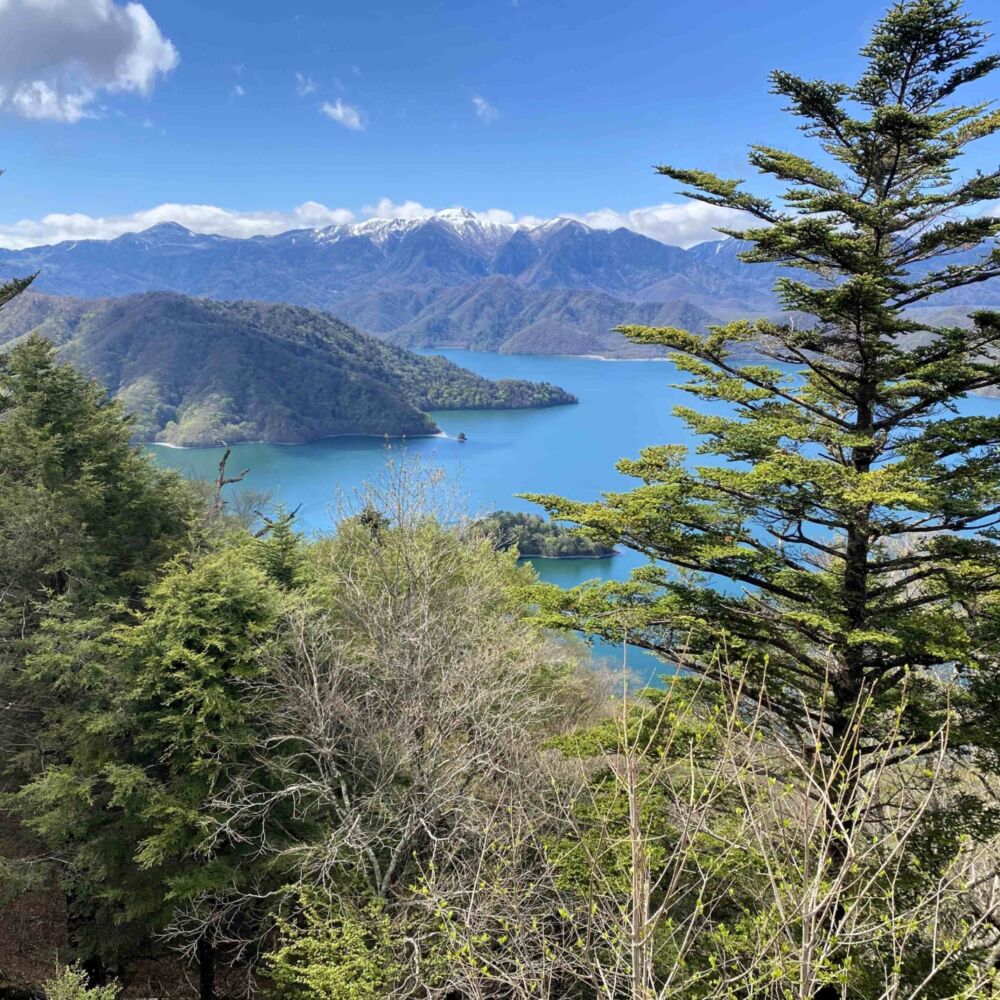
(200, 218)
(682, 225)
(485, 111)
(346, 114)
(58, 56)
(239, 91)
(386, 208)
(304, 85)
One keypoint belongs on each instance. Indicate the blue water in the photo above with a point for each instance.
(567, 450)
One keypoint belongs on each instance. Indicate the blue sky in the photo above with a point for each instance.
(532, 107)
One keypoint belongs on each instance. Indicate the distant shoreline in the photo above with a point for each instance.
(561, 558)
(599, 357)
(294, 444)
(426, 351)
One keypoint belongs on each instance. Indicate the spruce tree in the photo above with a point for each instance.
(839, 550)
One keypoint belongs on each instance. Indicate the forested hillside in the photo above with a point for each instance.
(239, 760)
(193, 371)
(531, 535)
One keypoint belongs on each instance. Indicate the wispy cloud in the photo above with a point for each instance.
(485, 111)
(304, 85)
(59, 226)
(58, 56)
(343, 113)
(239, 91)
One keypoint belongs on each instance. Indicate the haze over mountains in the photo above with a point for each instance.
(449, 280)
(196, 372)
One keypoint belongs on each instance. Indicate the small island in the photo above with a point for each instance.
(536, 538)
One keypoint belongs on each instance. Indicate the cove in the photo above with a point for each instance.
(571, 450)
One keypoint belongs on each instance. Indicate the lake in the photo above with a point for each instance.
(568, 450)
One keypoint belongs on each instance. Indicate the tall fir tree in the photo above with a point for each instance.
(88, 521)
(839, 552)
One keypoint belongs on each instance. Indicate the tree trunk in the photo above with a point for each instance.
(95, 970)
(92, 964)
(641, 973)
(206, 969)
(849, 687)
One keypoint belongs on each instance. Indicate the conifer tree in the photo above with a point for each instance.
(88, 516)
(153, 714)
(87, 521)
(12, 287)
(840, 545)
(279, 548)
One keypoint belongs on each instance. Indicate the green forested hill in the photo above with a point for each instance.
(534, 536)
(194, 371)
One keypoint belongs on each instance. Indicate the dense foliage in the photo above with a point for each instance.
(841, 543)
(200, 372)
(532, 535)
(358, 766)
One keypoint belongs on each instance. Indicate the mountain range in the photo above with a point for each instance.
(448, 280)
(197, 372)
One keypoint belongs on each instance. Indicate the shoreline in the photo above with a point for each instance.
(561, 558)
(430, 351)
(293, 444)
(595, 357)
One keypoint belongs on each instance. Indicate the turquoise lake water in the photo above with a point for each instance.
(568, 450)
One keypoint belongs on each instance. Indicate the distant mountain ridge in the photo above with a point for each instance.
(451, 279)
(447, 280)
(197, 372)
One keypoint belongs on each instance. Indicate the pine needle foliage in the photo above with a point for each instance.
(840, 538)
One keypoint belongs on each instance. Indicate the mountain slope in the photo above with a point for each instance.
(196, 372)
(447, 280)
(567, 285)
(498, 314)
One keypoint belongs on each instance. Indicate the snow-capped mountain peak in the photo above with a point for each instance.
(472, 229)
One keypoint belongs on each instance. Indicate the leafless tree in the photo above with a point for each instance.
(695, 859)
(405, 698)
(222, 480)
